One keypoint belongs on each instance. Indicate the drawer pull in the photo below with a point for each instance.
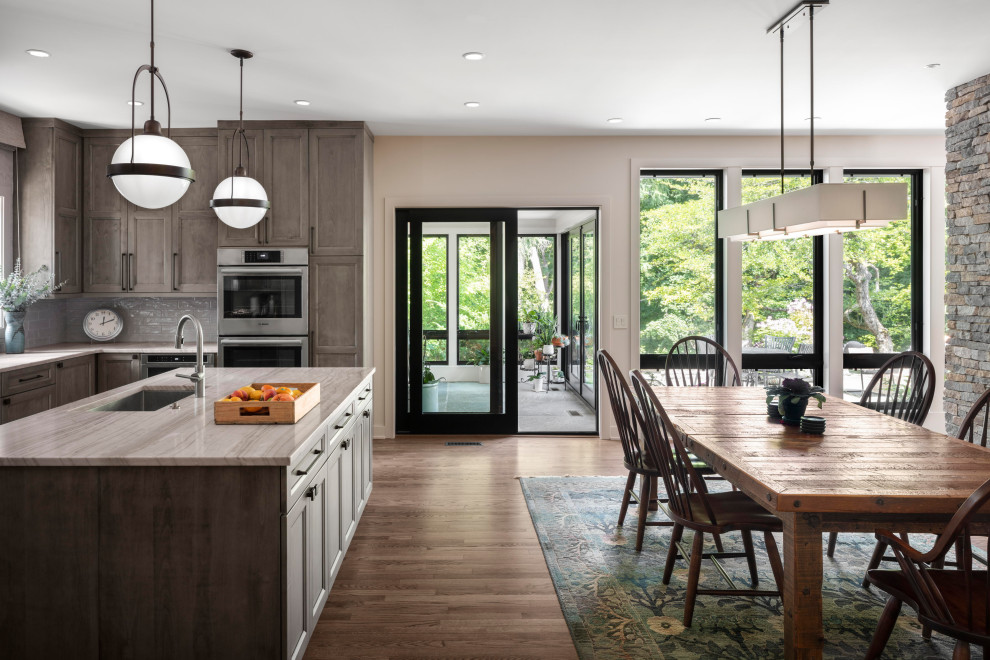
(362, 398)
(6, 402)
(317, 451)
(60, 365)
(338, 426)
(24, 380)
(302, 472)
(347, 414)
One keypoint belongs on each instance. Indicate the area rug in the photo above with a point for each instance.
(616, 606)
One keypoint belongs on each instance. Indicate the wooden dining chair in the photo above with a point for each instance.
(635, 456)
(700, 362)
(690, 506)
(953, 602)
(904, 387)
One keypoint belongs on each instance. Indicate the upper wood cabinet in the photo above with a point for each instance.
(131, 249)
(255, 165)
(340, 190)
(50, 198)
(287, 183)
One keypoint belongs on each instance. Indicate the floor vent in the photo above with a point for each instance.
(462, 444)
(573, 413)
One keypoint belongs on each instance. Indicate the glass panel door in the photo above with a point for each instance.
(582, 277)
(454, 267)
(576, 350)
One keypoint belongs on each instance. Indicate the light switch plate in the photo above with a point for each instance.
(620, 321)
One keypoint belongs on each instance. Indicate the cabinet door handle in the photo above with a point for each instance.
(313, 492)
(123, 271)
(58, 266)
(345, 444)
(6, 402)
(268, 223)
(130, 271)
(174, 257)
(312, 239)
(25, 380)
(367, 414)
(59, 365)
(312, 337)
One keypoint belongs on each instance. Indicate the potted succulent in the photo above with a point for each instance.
(18, 292)
(792, 398)
(546, 330)
(431, 400)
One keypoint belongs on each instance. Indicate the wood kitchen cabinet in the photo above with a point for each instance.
(131, 249)
(280, 162)
(336, 294)
(117, 369)
(50, 199)
(19, 406)
(75, 379)
(340, 189)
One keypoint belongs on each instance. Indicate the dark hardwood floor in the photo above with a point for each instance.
(445, 562)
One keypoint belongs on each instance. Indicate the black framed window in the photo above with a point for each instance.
(436, 293)
(537, 263)
(882, 285)
(473, 296)
(782, 292)
(680, 260)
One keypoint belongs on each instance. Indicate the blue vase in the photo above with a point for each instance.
(793, 411)
(14, 335)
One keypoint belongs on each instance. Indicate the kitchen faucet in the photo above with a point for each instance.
(198, 376)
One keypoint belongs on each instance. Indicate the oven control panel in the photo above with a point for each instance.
(262, 256)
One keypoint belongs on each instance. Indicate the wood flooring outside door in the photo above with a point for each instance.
(445, 562)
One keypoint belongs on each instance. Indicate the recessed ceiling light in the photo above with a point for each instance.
(34, 52)
(301, 102)
(933, 65)
(614, 120)
(472, 104)
(474, 56)
(713, 119)
(136, 103)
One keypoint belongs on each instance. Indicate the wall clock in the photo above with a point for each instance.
(102, 324)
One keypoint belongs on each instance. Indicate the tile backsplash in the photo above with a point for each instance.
(145, 319)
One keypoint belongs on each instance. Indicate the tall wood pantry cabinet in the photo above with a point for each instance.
(318, 177)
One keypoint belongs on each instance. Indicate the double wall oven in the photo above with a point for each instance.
(263, 307)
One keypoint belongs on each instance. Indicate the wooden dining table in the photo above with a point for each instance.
(867, 471)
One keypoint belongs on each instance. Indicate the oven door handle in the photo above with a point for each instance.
(261, 342)
(262, 271)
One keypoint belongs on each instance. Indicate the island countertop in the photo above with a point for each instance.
(75, 435)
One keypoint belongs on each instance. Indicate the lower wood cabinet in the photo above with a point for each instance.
(116, 370)
(75, 379)
(19, 406)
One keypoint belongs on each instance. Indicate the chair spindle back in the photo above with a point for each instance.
(624, 410)
(975, 426)
(904, 388)
(700, 362)
(664, 442)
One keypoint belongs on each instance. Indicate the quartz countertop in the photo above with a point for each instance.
(52, 352)
(75, 435)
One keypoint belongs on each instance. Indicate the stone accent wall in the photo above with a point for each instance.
(60, 320)
(967, 288)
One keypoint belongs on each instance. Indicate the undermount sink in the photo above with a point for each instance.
(145, 400)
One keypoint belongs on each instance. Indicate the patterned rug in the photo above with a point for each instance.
(616, 606)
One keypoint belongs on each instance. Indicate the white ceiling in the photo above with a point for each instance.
(553, 67)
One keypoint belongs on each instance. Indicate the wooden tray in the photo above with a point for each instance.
(268, 412)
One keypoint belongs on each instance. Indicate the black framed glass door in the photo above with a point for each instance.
(582, 304)
(455, 322)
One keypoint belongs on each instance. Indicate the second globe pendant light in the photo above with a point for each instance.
(239, 200)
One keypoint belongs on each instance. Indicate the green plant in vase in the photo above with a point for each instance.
(792, 398)
(18, 292)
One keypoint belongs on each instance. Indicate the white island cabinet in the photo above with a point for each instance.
(160, 534)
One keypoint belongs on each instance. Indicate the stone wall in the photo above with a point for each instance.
(967, 288)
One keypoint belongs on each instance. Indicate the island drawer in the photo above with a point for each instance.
(302, 471)
(28, 378)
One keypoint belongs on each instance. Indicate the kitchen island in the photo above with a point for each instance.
(160, 534)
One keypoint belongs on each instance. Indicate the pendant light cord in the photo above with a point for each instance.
(153, 70)
(781, 109)
(240, 128)
(811, 58)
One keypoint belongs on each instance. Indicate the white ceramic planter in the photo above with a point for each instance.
(431, 399)
(484, 373)
(528, 328)
(529, 364)
(548, 349)
(540, 384)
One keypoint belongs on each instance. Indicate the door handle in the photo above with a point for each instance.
(174, 256)
(123, 271)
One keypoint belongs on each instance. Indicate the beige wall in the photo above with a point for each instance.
(581, 171)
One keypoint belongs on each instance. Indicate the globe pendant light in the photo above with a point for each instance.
(150, 170)
(239, 200)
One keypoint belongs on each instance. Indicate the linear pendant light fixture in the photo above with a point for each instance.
(150, 170)
(239, 200)
(823, 208)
